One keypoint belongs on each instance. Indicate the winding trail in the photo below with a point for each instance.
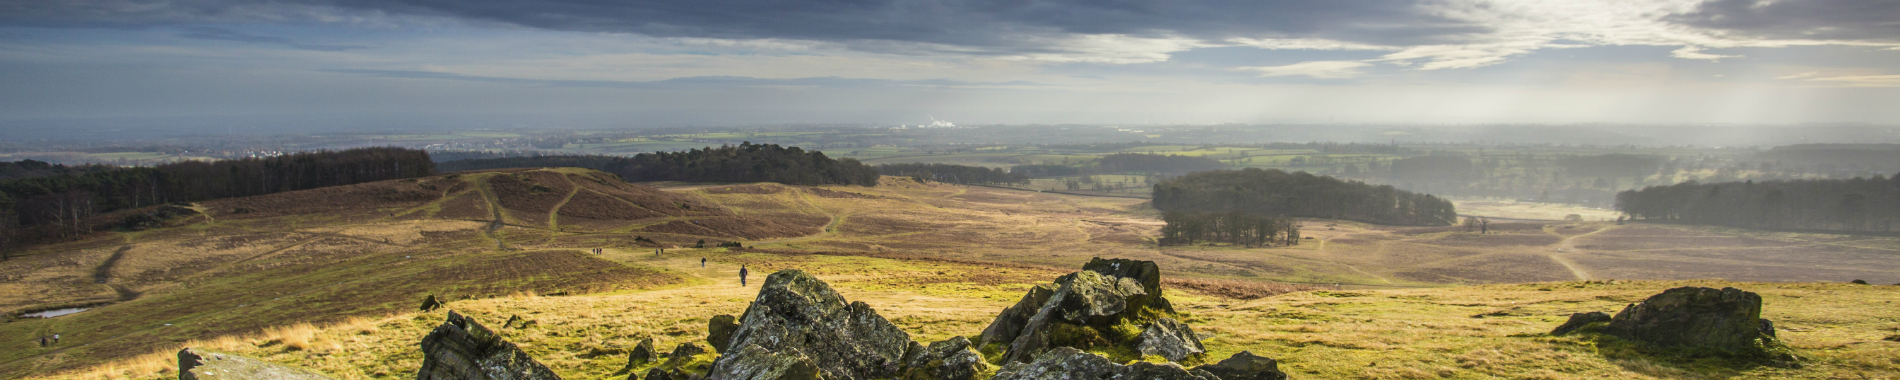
(1568, 246)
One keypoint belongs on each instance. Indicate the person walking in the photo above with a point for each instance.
(42, 341)
(702, 262)
(55, 338)
(742, 273)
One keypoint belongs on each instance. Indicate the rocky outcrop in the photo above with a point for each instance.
(430, 304)
(1171, 339)
(1010, 322)
(758, 363)
(463, 349)
(951, 359)
(1085, 310)
(798, 320)
(196, 364)
(642, 354)
(1726, 319)
(1064, 363)
(1246, 366)
(1578, 320)
(719, 331)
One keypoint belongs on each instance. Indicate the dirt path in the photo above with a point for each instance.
(829, 226)
(1564, 248)
(554, 215)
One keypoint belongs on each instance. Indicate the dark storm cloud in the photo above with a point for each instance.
(980, 24)
(698, 82)
(1872, 20)
(208, 33)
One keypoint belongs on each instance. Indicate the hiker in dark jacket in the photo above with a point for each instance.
(742, 273)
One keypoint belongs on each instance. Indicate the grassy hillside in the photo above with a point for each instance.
(330, 278)
(1486, 331)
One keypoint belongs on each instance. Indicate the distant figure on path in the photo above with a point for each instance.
(42, 341)
(742, 273)
(702, 262)
(55, 338)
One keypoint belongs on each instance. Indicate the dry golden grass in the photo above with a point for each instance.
(937, 259)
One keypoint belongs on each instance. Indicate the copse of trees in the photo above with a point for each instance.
(66, 201)
(1233, 227)
(31, 168)
(953, 173)
(1859, 204)
(1280, 194)
(746, 162)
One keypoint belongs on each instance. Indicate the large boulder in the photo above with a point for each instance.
(682, 357)
(196, 364)
(1246, 366)
(719, 331)
(800, 319)
(1010, 322)
(758, 363)
(950, 359)
(1064, 363)
(1579, 320)
(1171, 339)
(1726, 319)
(1089, 309)
(463, 349)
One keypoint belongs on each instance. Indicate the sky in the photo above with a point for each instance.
(488, 63)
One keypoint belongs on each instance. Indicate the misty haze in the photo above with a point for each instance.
(949, 190)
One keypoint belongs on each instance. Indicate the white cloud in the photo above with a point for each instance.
(1863, 80)
(1799, 76)
(1695, 52)
(1316, 69)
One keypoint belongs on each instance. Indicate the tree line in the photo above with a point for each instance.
(746, 162)
(59, 205)
(1858, 204)
(954, 173)
(1233, 227)
(1277, 193)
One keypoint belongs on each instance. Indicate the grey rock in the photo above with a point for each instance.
(1064, 363)
(463, 349)
(1010, 322)
(642, 354)
(758, 363)
(1087, 304)
(683, 354)
(1245, 366)
(666, 374)
(1767, 328)
(797, 315)
(196, 364)
(719, 331)
(1578, 320)
(1171, 339)
(1727, 319)
(951, 359)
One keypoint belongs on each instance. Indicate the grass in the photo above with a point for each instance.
(939, 260)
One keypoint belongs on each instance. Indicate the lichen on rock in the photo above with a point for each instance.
(462, 349)
(798, 316)
(1724, 320)
(1104, 307)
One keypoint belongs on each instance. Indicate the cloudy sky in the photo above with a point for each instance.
(669, 62)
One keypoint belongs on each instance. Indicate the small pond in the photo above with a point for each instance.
(54, 312)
